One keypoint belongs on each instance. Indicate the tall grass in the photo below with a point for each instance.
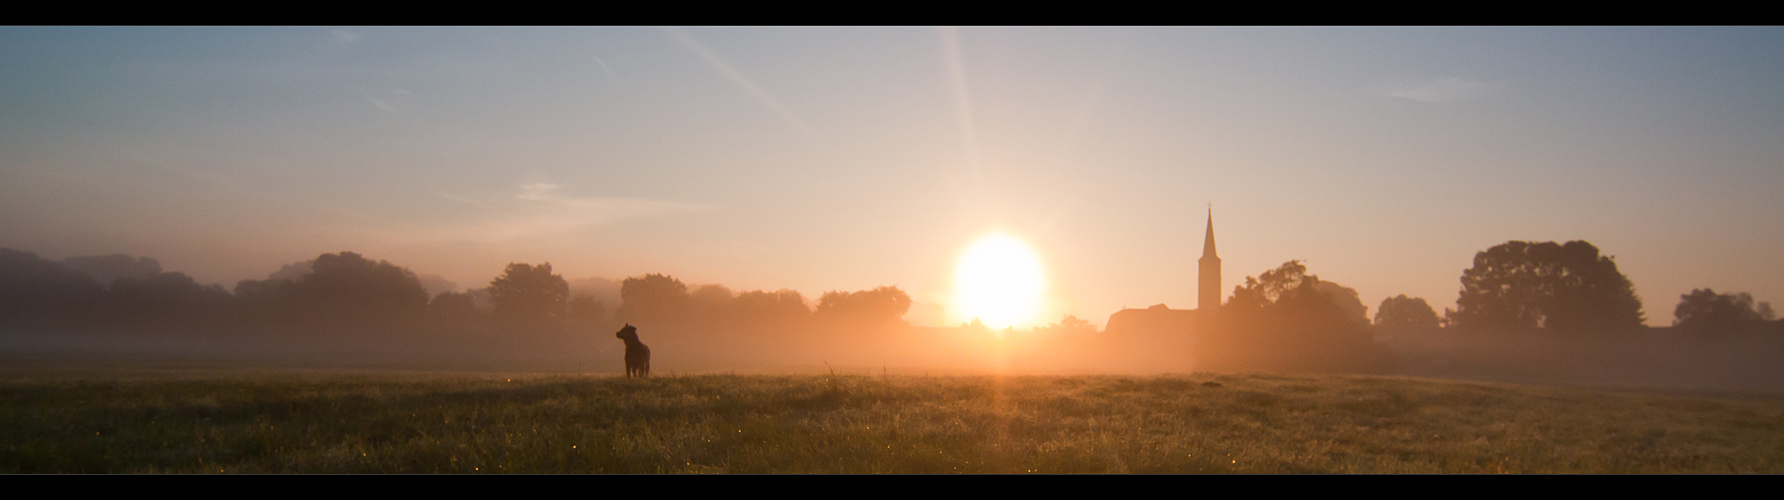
(208, 422)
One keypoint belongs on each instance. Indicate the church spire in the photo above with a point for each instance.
(1208, 240)
(1208, 290)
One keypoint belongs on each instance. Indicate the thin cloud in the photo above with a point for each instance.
(542, 210)
(741, 81)
(605, 69)
(392, 102)
(381, 104)
(599, 209)
(1446, 90)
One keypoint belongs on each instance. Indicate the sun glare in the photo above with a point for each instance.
(999, 282)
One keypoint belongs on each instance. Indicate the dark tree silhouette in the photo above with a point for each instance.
(881, 306)
(654, 297)
(166, 302)
(1266, 288)
(530, 295)
(1285, 319)
(1704, 311)
(361, 291)
(1401, 315)
(39, 293)
(339, 290)
(454, 309)
(1566, 288)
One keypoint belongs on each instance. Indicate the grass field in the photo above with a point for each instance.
(210, 421)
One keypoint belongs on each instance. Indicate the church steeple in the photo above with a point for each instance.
(1208, 240)
(1208, 290)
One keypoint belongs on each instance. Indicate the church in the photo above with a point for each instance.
(1163, 319)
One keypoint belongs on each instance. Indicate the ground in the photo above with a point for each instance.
(111, 420)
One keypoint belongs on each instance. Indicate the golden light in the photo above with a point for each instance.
(999, 282)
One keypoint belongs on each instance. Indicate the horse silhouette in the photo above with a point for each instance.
(637, 355)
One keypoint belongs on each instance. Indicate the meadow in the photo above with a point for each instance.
(84, 420)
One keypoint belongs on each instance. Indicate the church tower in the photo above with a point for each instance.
(1208, 291)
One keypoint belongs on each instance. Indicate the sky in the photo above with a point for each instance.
(820, 159)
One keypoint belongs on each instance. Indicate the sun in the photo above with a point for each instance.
(999, 281)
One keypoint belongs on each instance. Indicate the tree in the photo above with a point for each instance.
(1291, 282)
(1520, 285)
(712, 303)
(1287, 319)
(454, 309)
(1269, 286)
(881, 306)
(530, 294)
(784, 308)
(1346, 299)
(654, 297)
(335, 290)
(353, 289)
(1705, 311)
(165, 301)
(1401, 315)
(36, 292)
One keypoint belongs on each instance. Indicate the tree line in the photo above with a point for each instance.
(1570, 290)
(1289, 319)
(1286, 318)
(346, 293)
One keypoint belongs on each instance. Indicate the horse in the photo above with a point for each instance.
(637, 355)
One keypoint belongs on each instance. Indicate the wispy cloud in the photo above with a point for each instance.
(1446, 90)
(381, 104)
(390, 101)
(605, 69)
(741, 81)
(462, 199)
(543, 209)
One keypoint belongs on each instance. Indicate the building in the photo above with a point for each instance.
(1161, 318)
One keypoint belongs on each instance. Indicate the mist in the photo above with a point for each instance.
(344, 309)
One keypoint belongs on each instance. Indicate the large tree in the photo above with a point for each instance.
(1520, 285)
(1287, 319)
(530, 294)
(335, 290)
